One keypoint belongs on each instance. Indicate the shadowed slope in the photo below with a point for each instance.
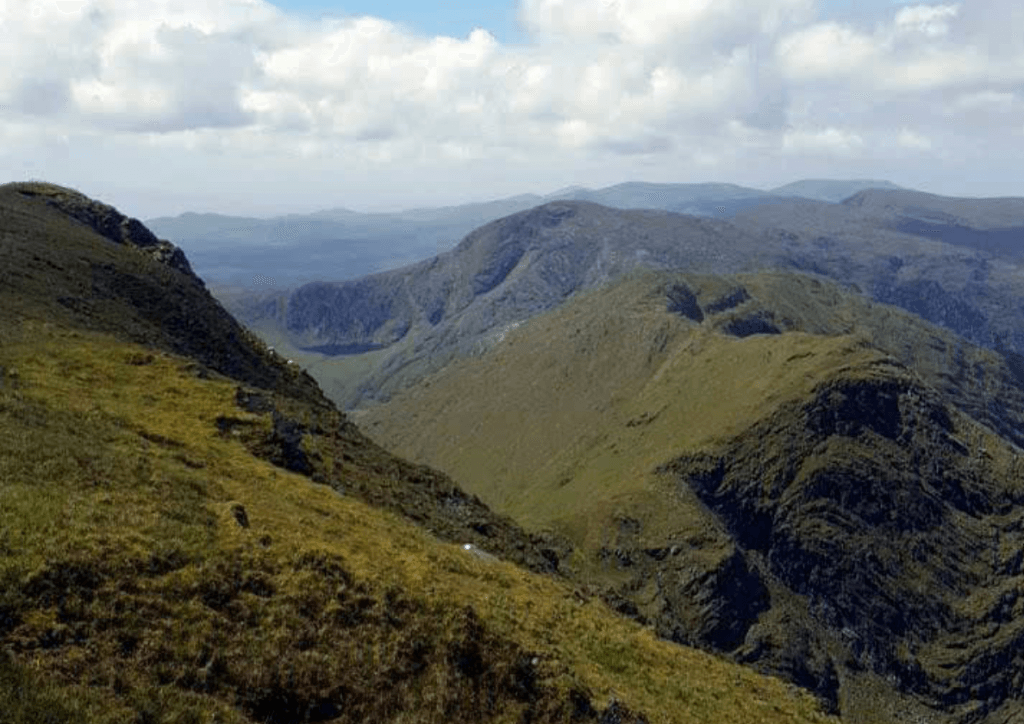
(148, 295)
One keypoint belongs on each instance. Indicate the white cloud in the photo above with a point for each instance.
(911, 140)
(828, 140)
(929, 20)
(644, 23)
(827, 50)
(234, 85)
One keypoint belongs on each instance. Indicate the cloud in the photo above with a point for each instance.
(824, 141)
(643, 23)
(911, 140)
(928, 20)
(603, 81)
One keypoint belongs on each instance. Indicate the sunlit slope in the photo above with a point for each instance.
(765, 465)
(154, 570)
(582, 403)
(77, 263)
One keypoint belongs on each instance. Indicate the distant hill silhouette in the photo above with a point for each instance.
(833, 190)
(338, 244)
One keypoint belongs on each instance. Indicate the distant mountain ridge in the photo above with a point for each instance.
(337, 244)
(414, 320)
(427, 314)
(832, 190)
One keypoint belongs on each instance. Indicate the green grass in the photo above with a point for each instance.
(132, 594)
(583, 403)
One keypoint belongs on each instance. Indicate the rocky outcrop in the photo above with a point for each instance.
(162, 305)
(369, 311)
(863, 501)
(760, 322)
(682, 301)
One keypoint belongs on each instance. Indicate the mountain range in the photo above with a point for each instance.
(191, 532)
(952, 261)
(337, 244)
(765, 465)
(600, 464)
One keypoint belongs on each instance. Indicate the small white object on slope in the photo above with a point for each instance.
(482, 555)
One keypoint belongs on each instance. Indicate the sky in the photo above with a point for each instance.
(253, 108)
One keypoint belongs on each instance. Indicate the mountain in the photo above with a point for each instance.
(364, 339)
(399, 325)
(833, 190)
(191, 531)
(765, 465)
(718, 200)
(638, 195)
(992, 225)
(338, 244)
(953, 261)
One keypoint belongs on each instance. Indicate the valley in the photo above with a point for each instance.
(589, 464)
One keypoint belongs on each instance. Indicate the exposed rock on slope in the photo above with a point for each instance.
(150, 297)
(836, 500)
(108, 222)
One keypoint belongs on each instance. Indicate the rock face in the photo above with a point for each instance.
(369, 311)
(710, 601)
(864, 502)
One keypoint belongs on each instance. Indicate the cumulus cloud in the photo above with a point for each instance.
(828, 140)
(699, 82)
(909, 139)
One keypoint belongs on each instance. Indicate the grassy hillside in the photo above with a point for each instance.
(154, 570)
(182, 544)
(763, 465)
(613, 381)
